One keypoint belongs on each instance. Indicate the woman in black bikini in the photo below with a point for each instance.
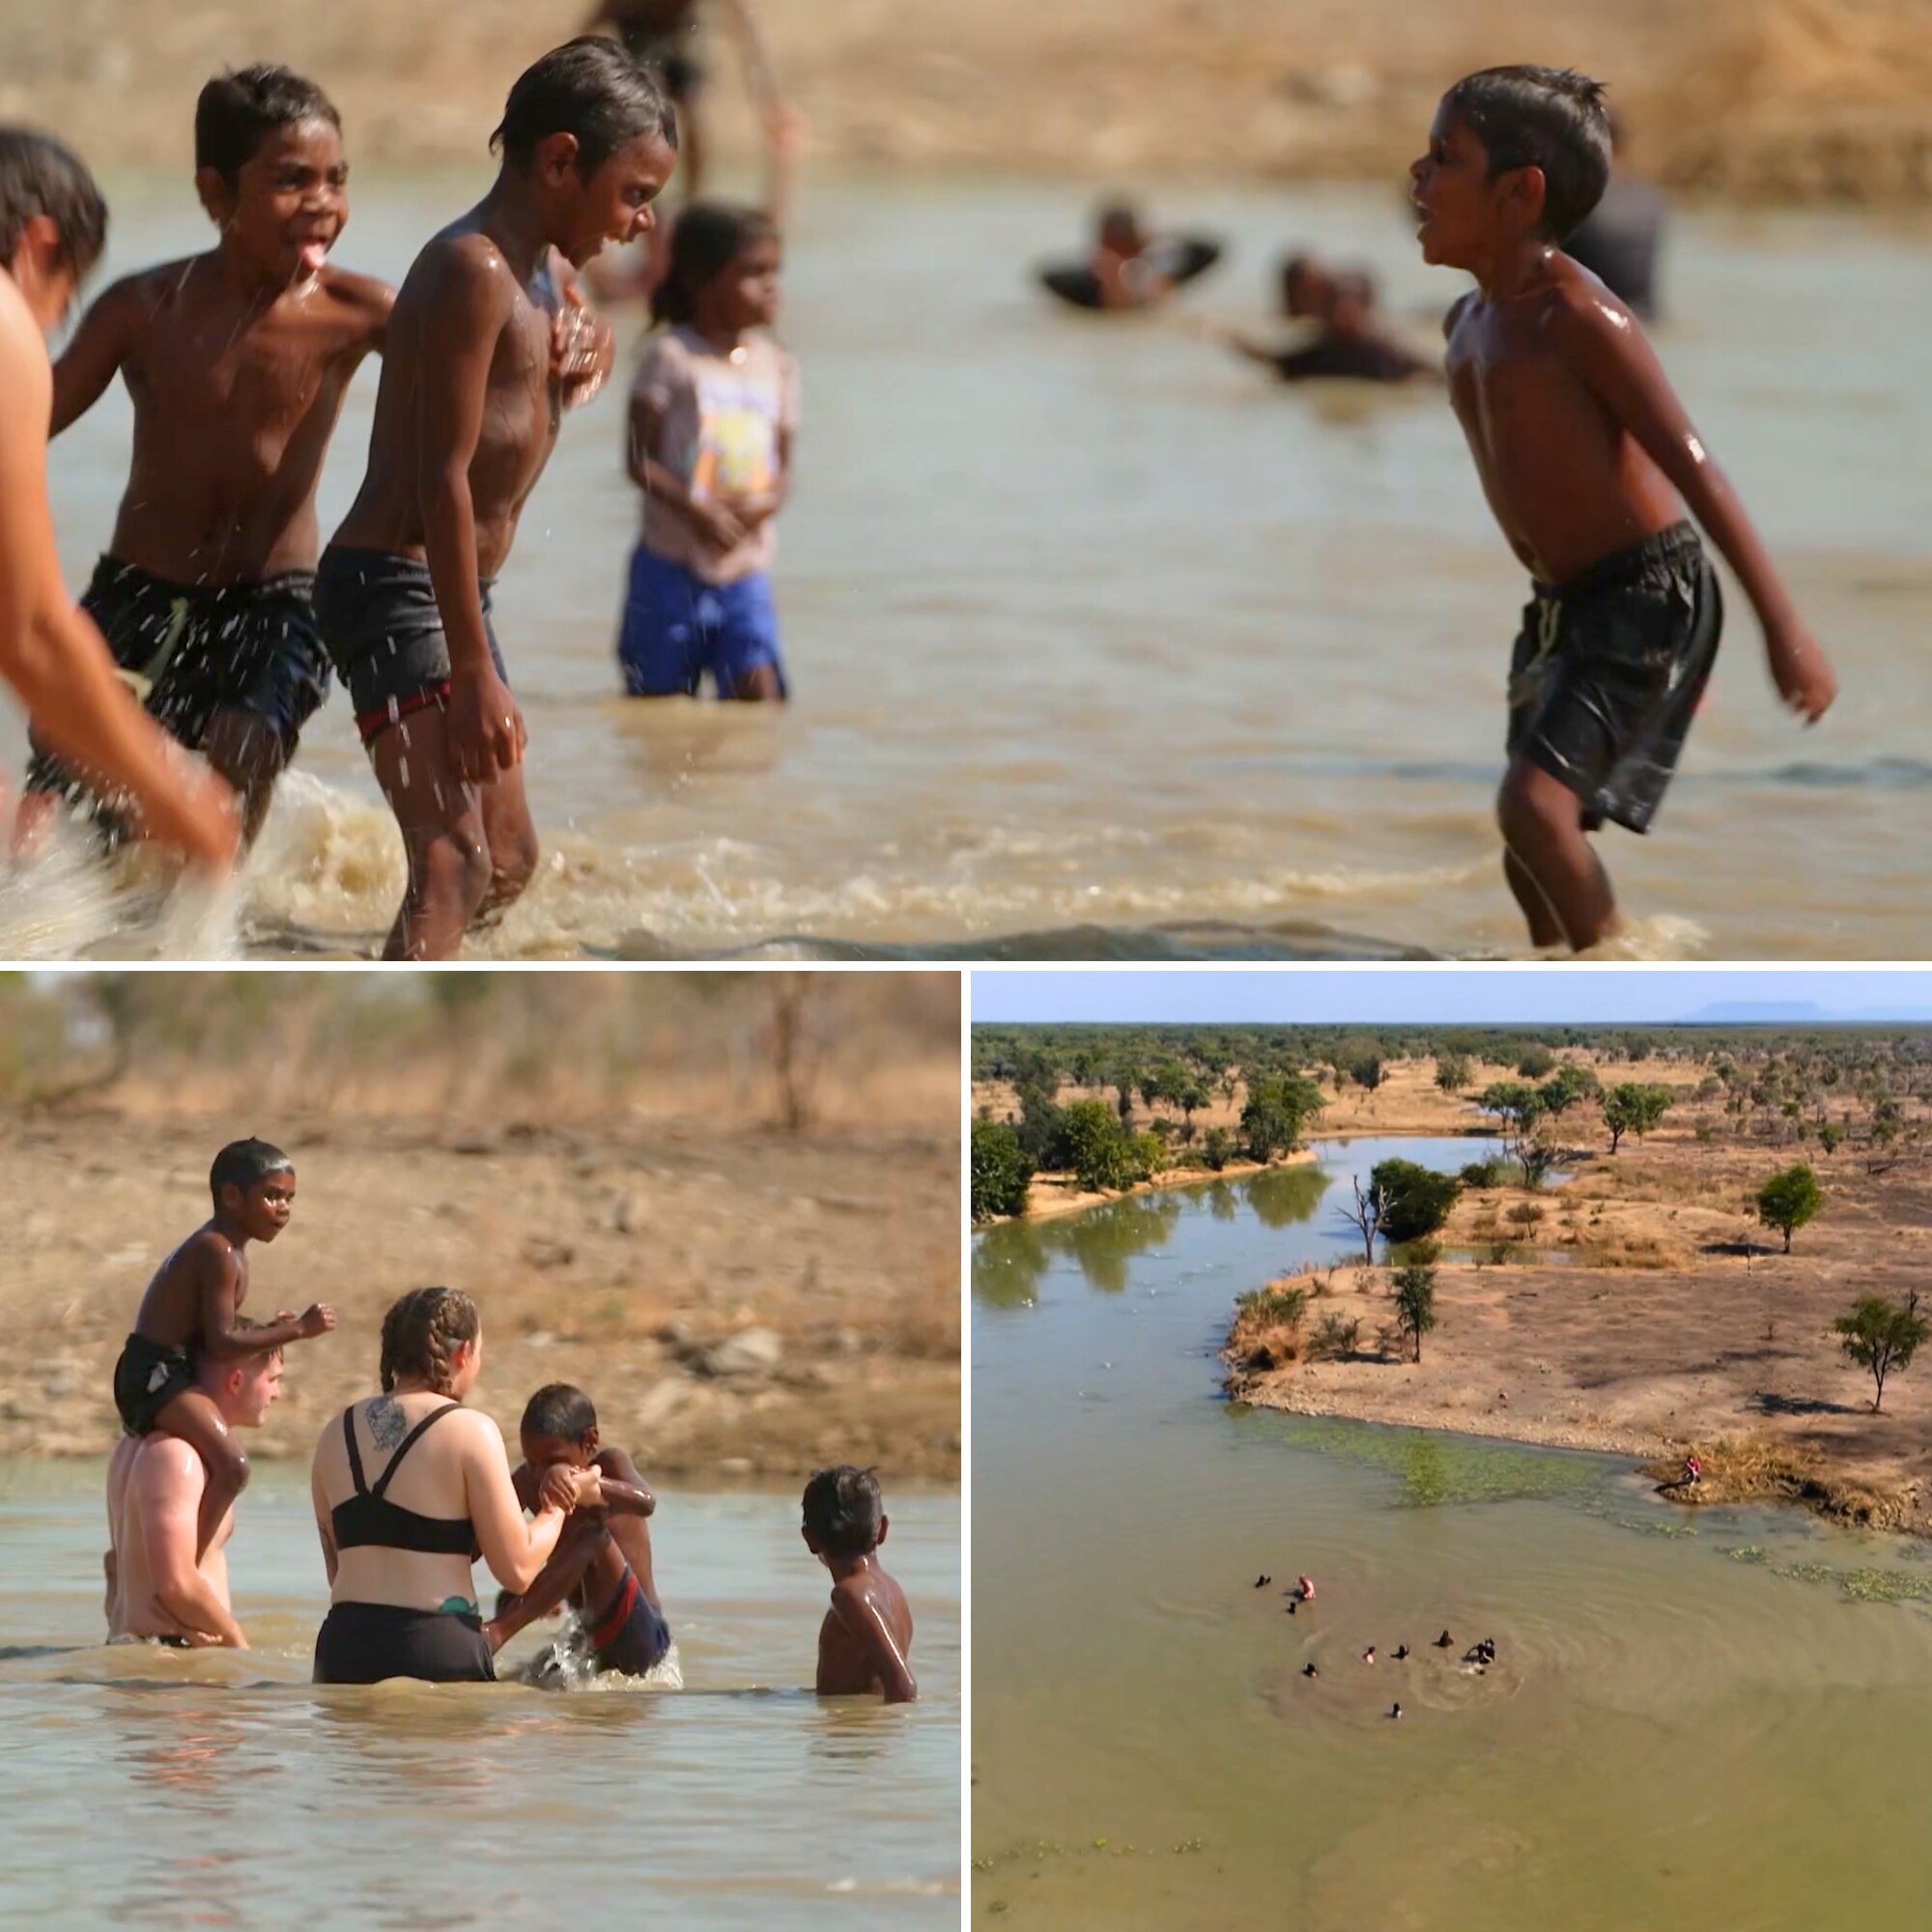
(409, 1488)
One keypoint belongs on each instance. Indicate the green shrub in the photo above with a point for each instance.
(1001, 1171)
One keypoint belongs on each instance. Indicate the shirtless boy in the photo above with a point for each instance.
(158, 1586)
(187, 1321)
(867, 1636)
(53, 225)
(602, 1564)
(237, 361)
(1589, 461)
(466, 418)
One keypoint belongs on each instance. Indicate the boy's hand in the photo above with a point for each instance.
(485, 727)
(318, 1319)
(581, 349)
(718, 524)
(1798, 667)
(557, 1491)
(202, 819)
(589, 1488)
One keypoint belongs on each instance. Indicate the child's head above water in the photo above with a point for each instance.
(1515, 152)
(254, 1185)
(269, 167)
(53, 223)
(560, 1425)
(595, 137)
(723, 274)
(1118, 229)
(844, 1514)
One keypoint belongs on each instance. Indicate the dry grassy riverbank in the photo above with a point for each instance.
(1764, 99)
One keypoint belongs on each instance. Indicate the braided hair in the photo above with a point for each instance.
(420, 1332)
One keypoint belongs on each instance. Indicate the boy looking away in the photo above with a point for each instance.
(1588, 462)
(867, 1636)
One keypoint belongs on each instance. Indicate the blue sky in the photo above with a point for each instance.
(1531, 994)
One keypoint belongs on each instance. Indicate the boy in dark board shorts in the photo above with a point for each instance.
(53, 225)
(1589, 461)
(189, 1315)
(603, 1562)
(475, 378)
(865, 1639)
(237, 361)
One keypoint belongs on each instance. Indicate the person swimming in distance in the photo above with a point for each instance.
(1445, 1641)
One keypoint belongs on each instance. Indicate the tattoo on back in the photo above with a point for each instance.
(388, 1425)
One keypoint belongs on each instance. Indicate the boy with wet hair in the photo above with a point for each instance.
(661, 36)
(487, 348)
(602, 1563)
(188, 1316)
(1588, 462)
(867, 1636)
(237, 361)
(53, 225)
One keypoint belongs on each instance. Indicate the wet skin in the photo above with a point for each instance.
(237, 363)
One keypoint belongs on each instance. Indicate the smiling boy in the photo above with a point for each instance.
(467, 417)
(1588, 462)
(237, 361)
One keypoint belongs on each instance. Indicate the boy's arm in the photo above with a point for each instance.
(219, 1281)
(168, 1496)
(623, 1490)
(470, 303)
(1609, 351)
(52, 654)
(554, 1582)
(94, 357)
(856, 1610)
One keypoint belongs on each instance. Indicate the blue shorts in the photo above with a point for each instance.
(677, 627)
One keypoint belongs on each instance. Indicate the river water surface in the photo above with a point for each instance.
(224, 1789)
(1104, 646)
(1693, 1722)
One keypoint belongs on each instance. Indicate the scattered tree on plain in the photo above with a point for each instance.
(1415, 1201)
(1415, 1303)
(1635, 1108)
(1788, 1200)
(1882, 1337)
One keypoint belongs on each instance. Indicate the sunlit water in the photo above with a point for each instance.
(1103, 646)
(224, 1789)
(1692, 1722)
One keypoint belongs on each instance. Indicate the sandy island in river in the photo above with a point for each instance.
(1654, 1312)
(1764, 99)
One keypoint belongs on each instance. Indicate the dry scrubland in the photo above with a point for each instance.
(1767, 100)
(602, 1161)
(1645, 1309)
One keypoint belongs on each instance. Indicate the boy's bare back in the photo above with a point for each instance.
(1568, 483)
(847, 1667)
(461, 291)
(234, 406)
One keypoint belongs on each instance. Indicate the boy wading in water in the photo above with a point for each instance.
(188, 1318)
(237, 361)
(865, 1639)
(484, 354)
(1588, 460)
(53, 225)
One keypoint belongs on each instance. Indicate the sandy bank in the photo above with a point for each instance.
(615, 1255)
(1653, 1315)
(1762, 99)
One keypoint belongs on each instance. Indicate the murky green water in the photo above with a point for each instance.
(224, 1789)
(1102, 645)
(1692, 1723)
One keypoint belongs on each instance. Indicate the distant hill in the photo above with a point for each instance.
(1794, 1012)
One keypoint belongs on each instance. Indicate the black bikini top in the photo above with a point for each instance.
(369, 1518)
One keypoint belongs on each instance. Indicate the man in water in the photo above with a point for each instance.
(156, 1588)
